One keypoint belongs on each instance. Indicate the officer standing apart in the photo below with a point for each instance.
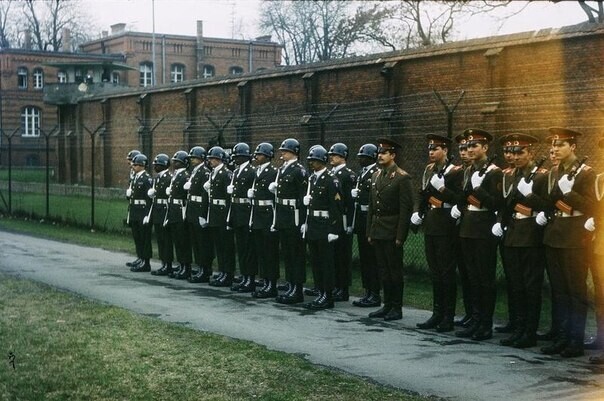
(390, 208)
(140, 204)
(239, 218)
(370, 276)
(523, 239)
(441, 188)
(338, 154)
(482, 198)
(162, 180)
(197, 210)
(323, 225)
(175, 215)
(571, 192)
(219, 204)
(289, 188)
(264, 240)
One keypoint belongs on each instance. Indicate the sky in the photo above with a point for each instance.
(238, 18)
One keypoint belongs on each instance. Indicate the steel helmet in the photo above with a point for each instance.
(265, 149)
(197, 152)
(140, 160)
(318, 153)
(368, 150)
(133, 153)
(180, 156)
(291, 145)
(241, 149)
(339, 149)
(217, 152)
(162, 159)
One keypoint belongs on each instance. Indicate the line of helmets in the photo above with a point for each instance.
(316, 152)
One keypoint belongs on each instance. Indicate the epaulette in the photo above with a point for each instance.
(586, 167)
(401, 171)
(542, 170)
(430, 166)
(455, 168)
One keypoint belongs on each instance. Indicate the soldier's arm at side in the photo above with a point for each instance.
(405, 208)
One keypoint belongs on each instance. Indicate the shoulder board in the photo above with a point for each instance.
(430, 166)
(401, 171)
(586, 167)
(542, 170)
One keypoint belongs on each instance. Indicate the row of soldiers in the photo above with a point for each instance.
(467, 211)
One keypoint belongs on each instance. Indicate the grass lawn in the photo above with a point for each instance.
(69, 348)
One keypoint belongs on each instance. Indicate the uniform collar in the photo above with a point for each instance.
(318, 173)
(339, 167)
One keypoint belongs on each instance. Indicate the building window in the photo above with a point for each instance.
(177, 73)
(79, 76)
(38, 78)
(146, 74)
(208, 71)
(22, 78)
(236, 52)
(30, 121)
(207, 50)
(62, 77)
(115, 77)
(235, 70)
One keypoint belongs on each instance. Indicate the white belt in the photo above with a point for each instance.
(320, 213)
(364, 208)
(196, 198)
(177, 201)
(559, 213)
(219, 202)
(473, 208)
(286, 202)
(161, 201)
(520, 216)
(241, 200)
(263, 202)
(447, 206)
(139, 202)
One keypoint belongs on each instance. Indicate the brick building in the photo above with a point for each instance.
(522, 82)
(34, 85)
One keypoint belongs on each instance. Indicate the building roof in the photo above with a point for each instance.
(87, 63)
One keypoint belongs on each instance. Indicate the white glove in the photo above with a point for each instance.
(306, 200)
(203, 222)
(497, 230)
(349, 230)
(230, 189)
(151, 193)
(565, 184)
(525, 188)
(273, 229)
(416, 220)
(455, 212)
(354, 192)
(590, 224)
(128, 192)
(206, 186)
(332, 237)
(187, 185)
(168, 191)
(477, 179)
(541, 219)
(303, 228)
(146, 220)
(250, 193)
(437, 182)
(272, 187)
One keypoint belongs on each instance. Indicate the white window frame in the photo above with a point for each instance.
(145, 74)
(22, 77)
(62, 77)
(177, 73)
(208, 71)
(38, 75)
(235, 67)
(115, 77)
(30, 121)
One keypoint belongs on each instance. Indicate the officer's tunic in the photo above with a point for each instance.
(197, 206)
(174, 220)
(139, 205)
(220, 201)
(158, 214)
(343, 245)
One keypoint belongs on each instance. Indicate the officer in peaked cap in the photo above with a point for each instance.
(390, 208)
(522, 242)
(571, 197)
(441, 186)
(477, 209)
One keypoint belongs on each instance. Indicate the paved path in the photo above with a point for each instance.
(394, 354)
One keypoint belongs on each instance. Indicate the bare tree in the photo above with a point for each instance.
(8, 30)
(593, 14)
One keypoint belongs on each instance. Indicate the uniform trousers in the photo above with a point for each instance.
(480, 256)
(142, 239)
(512, 311)
(224, 244)
(370, 276)
(568, 274)
(441, 257)
(464, 281)
(266, 243)
(343, 261)
(246, 252)
(293, 254)
(389, 258)
(181, 240)
(202, 244)
(526, 267)
(322, 261)
(164, 243)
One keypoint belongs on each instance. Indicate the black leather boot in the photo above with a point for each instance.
(359, 302)
(295, 296)
(135, 262)
(185, 272)
(223, 280)
(176, 271)
(431, 323)
(143, 267)
(468, 331)
(268, 291)
(237, 285)
(249, 285)
(340, 294)
(511, 340)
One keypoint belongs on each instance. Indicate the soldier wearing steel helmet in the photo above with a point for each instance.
(140, 203)
(175, 215)
(161, 165)
(197, 210)
(131, 174)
